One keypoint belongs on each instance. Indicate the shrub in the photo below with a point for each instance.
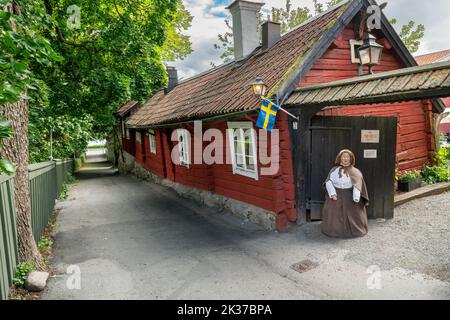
(440, 172)
(410, 176)
(436, 174)
(443, 157)
(22, 272)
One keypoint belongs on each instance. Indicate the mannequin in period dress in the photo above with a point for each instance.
(344, 212)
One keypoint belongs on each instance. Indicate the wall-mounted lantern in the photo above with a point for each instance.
(259, 87)
(370, 52)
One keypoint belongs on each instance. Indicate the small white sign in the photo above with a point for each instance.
(370, 136)
(370, 154)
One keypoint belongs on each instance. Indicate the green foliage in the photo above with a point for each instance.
(411, 34)
(318, 7)
(440, 172)
(70, 178)
(410, 176)
(79, 161)
(225, 43)
(44, 244)
(288, 17)
(70, 135)
(177, 44)
(6, 167)
(443, 156)
(64, 192)
(436, 174)
(114, 55)
(21, 45)
(74, 78)
(22, 272)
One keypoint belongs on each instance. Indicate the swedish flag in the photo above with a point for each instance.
(267, 115)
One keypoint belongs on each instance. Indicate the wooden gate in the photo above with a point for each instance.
(373, 140)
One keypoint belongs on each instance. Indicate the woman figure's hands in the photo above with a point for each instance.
(334, 198)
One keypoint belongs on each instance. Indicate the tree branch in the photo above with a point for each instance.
(59, 34)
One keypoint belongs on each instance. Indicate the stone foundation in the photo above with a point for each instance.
(247, 212)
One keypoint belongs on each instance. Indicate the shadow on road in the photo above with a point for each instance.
(96, 165)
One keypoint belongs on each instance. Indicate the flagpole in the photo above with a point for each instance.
(285, 111)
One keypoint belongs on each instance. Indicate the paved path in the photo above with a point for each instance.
(135, 240)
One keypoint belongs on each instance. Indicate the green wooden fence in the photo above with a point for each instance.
(8, 235)
(46, 183)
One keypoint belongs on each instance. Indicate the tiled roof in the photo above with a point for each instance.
(416, 83)
(432, 57)
(227, 89)
(124, 109)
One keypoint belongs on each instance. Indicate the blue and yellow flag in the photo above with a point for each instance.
(267, 115)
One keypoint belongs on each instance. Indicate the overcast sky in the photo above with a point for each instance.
(209, 18)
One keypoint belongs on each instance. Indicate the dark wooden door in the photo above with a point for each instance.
(373, 141)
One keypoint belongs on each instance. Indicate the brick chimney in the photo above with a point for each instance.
(245, 27)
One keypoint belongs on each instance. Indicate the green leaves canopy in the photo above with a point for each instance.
(115, 55)
(107, 52)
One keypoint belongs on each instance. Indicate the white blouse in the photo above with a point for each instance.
(343, 182)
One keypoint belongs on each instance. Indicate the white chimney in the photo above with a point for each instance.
(245, 27)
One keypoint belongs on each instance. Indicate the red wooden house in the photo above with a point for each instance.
(320, 50)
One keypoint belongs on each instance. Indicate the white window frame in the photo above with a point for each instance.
(183, 147)
(152, 141)
(242, 129)
(138, 137)
(123, 129)
(354, 55)
(127, 134)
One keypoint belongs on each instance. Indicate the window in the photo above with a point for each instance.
(123, 129)
(138, 137)
(127, 134)
(354, 45)
(152, 140)
(243, 149)
(183, 145)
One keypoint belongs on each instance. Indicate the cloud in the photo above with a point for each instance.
(433, 14)
(209, 17)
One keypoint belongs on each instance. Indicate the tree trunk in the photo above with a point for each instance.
(15, 149)
(437, 118)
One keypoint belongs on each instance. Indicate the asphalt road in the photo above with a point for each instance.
(127, 239)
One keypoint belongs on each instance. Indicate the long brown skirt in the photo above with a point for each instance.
(344, 218)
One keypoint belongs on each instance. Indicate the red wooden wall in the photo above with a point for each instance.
(274, 193)
(414, 139)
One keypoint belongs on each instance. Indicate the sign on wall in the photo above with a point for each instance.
(370, 136)
(370, 154)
